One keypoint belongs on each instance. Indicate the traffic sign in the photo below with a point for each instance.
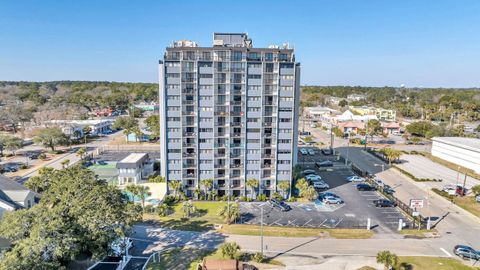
(416, 203)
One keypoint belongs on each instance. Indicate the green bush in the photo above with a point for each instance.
(23, 167)
(258, 257)
(169, 200)
(42, 156)
(292, 199)
(277, 196)
(443, 193)
(261, 198)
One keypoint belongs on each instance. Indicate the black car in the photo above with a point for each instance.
(281, 205)
(466, 252)
(33, 155)
(384, 203)
(365, 187)
(388, 189)
(326, 163)
(10, 169)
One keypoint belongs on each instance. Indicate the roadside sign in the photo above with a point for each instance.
(452, 192)
(416, 203)
(416, 214)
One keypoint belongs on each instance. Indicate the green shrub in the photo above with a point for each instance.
(23, 167)
(277, 196)
(261, 198)
(292, 199)
(42, 156)
(258, 257)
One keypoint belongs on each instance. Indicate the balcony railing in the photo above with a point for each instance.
(189, 134)
(185, 155)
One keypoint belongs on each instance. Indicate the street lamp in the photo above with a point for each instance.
(348, 147)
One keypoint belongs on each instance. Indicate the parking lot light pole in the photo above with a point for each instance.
(348, 147)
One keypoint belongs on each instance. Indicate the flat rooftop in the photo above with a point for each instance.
(134, 158)
(467, 143)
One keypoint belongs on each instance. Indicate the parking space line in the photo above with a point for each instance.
(323, 222)
(446, 252)
(307, 222)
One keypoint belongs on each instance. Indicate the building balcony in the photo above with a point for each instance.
(220, 155)
(235, 155)
(189, 166)
(189, 134)
(234, 113)
(236, 165)
(186, 155)
(236, 145)
(267, 156)
(188, 175)
(189, 144)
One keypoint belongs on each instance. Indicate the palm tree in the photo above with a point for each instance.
(302, 186)
(197, 193)
(310, 193)
(387, 258)
(132, 189)
(175, 185)
(143, 192)
(188, 208)
(230, 212)
(391, 154)
(207, 185)
(65, 163)
(81, 152)
(253, 183)
(138, 133)
(284, 186)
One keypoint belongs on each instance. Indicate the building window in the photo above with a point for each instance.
(173, 140)
(173, 129)
(174, 161)
(253, 109)
(173, 75)
(284, 130)
(252, 161)
(284, 141)
(285, 120)
(284, 162)
(286, 98)
(254, 76)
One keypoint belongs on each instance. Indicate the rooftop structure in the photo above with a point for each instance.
(461, 151)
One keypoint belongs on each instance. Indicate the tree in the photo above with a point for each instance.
(188, 209)
(133, 190)
(391, 154)
(387, 258)
(77, 214)
(310, 193)
(12, 143)
(420, 128)
(477, 129)
(136, 131)
(65, 163)
(143, 193)
(374, 127)
(342, 103)
(40, 182)
(297, 172)
(156, 179)
(81, 152)
(229, 249)
(301, 186)
(476, 190)
(127, 123)
(175, 185)
(207, 185)
(230, 212)
(284, 186)
(50, 137)
(153, 125)
(253, 183)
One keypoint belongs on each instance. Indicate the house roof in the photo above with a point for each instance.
(12, 192)
(132, 161)
(212, 264)
(390, 125)
(351, 124)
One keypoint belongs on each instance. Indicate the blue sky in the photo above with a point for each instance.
(357, 42)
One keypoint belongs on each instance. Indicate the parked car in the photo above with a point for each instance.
(378, 182)
(305, 133)
(308, 172)
(384, 203)
(326, 163)
(365, 187)
(313, 176)
(326, 151)
(388, 189)
(320, 185)
(332, 200)
(303, 151)
(10, 169)
(355, 178)
(456, 189)
(477, 198)
(120, 245)
(313, 125)
(32, 155)
(327, 194)
(281, 205)
(311, 152)
(466, 252)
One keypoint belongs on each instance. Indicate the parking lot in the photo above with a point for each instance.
(354, 213)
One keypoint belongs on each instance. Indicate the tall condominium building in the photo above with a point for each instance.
(229, 113)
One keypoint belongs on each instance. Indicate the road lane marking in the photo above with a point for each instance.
(446, 252)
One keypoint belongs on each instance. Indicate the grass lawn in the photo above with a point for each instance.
(417, 233)
(427, 263)
(468, 203)
(204, 218)
(296, 232)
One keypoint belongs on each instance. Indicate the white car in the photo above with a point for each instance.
(320, 185)
(120, 245)
(311, 152)
(309, 171)
(313, 125)
(379, 182)
(312, 177)
(332, 200)
(355, 178)
(303, 151)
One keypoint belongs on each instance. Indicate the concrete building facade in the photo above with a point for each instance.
(461, 151)
(228, 113)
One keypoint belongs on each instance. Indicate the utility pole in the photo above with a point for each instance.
(366, 135)
(458, 174)
(348, 148)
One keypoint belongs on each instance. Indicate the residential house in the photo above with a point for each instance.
(380, 113)
(14, 196)
(390, 127)
(349, 116)
(97, 126)
(215, 264)
(134, 168)
(351, 126)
